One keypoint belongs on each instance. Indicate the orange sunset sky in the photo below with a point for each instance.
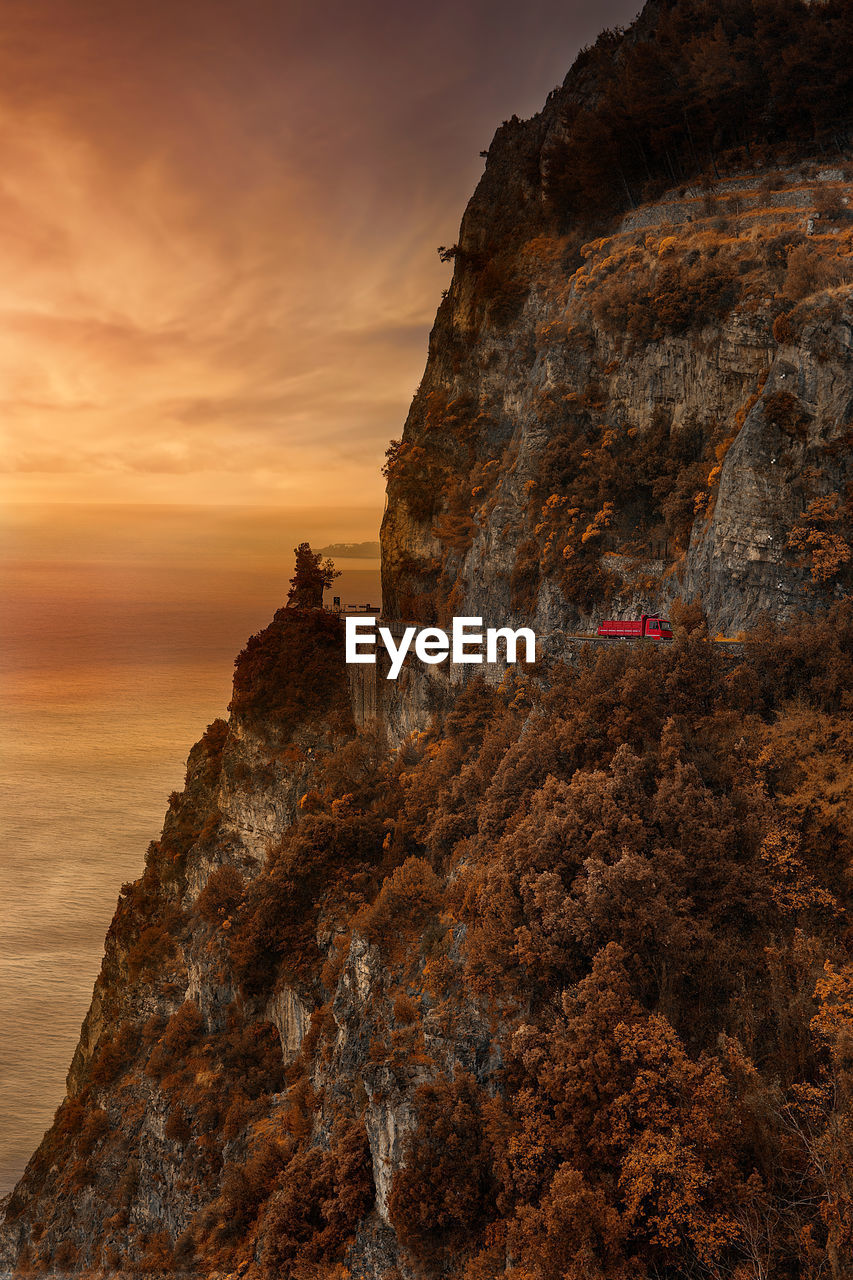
(218, 224)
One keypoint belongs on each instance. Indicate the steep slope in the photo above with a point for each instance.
(164, 1038)
(560, 989)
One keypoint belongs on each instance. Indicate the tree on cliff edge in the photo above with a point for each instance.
(311, 577)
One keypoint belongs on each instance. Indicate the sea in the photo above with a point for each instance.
(118, 633)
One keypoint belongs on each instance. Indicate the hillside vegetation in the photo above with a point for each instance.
(587, 944)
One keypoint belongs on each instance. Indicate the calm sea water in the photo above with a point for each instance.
(116, 650)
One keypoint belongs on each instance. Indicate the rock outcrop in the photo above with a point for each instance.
(548, 419)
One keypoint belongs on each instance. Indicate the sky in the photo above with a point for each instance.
(218, 231)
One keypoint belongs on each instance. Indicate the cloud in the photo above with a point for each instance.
(218, 227)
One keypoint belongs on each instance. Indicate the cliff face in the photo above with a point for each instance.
(191, 1092)
(658, 417)
(421, 1012)
(433, 979)
(628, 401)
(113, 1176)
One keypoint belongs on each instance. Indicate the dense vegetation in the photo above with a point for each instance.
(288, 673)
(642, 874)
(606, 917)
(722, 85)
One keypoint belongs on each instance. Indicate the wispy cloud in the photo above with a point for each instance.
(218, 227)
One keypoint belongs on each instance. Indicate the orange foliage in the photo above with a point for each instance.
(221, 894)
(322, 1197)
(408, 897)
(441, 1194)
(622, 896)
(292, 671)
(817, 534)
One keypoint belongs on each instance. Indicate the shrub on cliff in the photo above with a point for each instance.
(443, 1194)
(276, 924)
(246, 1184)
(822, 536)
(221, 895)
(416, 475)
(323, 1196)
(786, 413)
(149, 955)
(408, 897)
(250, 1052)
(114, 1054)
(292, 672)
(182, 1031)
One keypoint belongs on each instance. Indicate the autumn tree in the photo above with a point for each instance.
(819, 534)
(322, 1197)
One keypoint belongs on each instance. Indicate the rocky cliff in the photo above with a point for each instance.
(549, 977)
(622, 405)
(668, 406)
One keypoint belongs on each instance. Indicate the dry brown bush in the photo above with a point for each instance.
(221, 895)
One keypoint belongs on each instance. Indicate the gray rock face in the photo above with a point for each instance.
(387, 1123)
(594, 347)
(290, 1017)
(740, 562)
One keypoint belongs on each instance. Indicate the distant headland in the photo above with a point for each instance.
(352, 550)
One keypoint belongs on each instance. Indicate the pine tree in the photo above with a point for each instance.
(312, 575)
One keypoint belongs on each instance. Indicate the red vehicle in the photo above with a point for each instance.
(648, 628)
